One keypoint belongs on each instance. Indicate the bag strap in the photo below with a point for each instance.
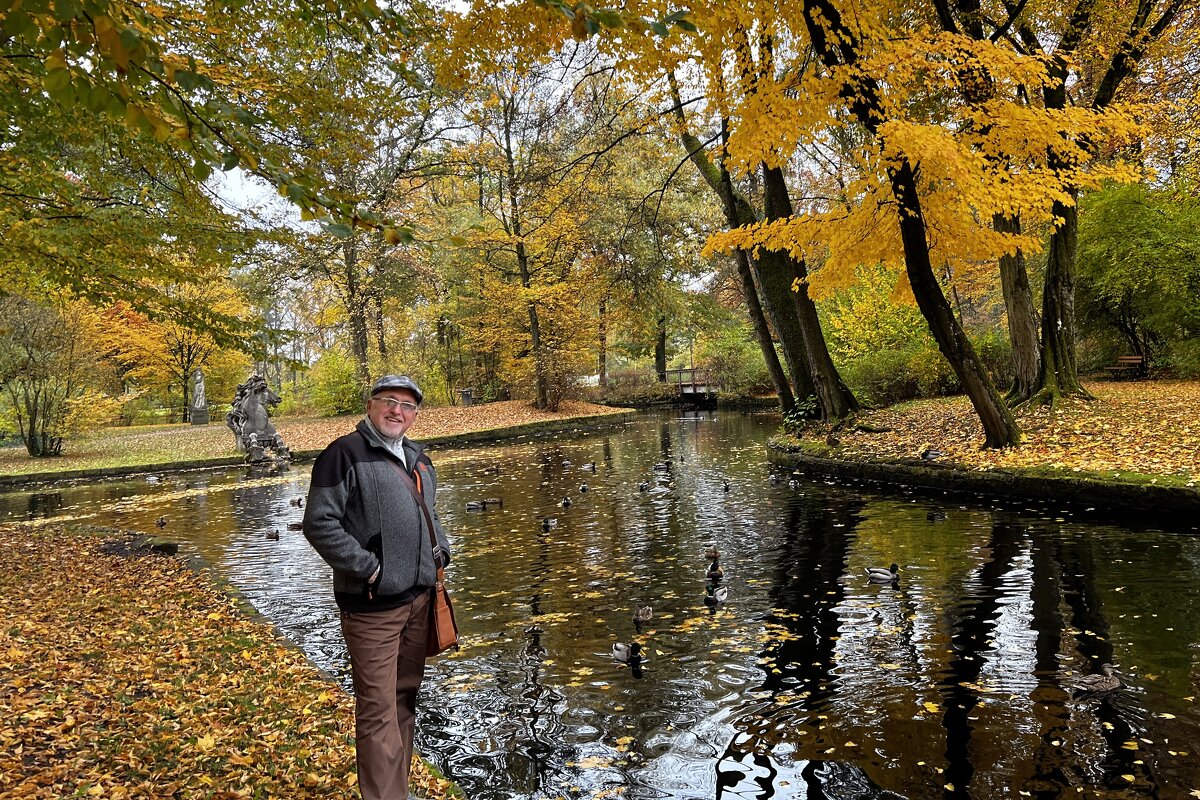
(407, 480)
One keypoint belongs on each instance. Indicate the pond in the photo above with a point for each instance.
(809, 681)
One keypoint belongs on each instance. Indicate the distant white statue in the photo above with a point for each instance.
(199, 400)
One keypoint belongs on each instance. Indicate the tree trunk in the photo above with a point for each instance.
(835, 45)
(602, 355)
(774, 285)
(1022, 318)
(356, 311)
(999, 425)
(660, 350)
(762, 332)
(834, 398)
(541, 389)
(1059, 373)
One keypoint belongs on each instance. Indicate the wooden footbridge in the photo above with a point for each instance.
(693, 384)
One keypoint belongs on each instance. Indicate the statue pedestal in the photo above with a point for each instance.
(199, 416)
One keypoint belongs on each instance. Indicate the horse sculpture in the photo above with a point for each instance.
(249, 419)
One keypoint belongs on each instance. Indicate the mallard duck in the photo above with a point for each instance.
(297, 502)
(160, 523)
(643, 614)
(589, 466)
(1101, 683)
(774, 479)
(715, 595)
(583, 487)
(725, 486)
(476, 505)
(793, 483)
(492, 470)
(715, 573)
(566, 502)
(548, 523)
(272, 534)
(930, 454)
(881, 575)
(494, 501)
(711, 552)
(295, 526)
(644, 486)
(624, 652)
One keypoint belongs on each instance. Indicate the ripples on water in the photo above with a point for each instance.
(809, 682)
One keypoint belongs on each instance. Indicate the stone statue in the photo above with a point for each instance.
(250, 422)
(198, 398)
(198, 413)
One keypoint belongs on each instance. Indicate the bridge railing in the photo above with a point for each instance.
(693, 380)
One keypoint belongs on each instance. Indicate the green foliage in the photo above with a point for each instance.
(886, 377)
(735, 360)
(1139, 270)
(807, 409)
(994, 350)
(334, 386)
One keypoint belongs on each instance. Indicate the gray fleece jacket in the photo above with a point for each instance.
(359, 517)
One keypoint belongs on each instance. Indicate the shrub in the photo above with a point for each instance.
(334, 386)
(736, 363)
(887, 377)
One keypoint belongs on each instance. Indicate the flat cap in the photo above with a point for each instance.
(397, 382)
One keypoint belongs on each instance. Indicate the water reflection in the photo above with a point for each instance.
(809, 682)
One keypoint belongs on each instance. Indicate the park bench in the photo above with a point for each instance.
(1127, 367)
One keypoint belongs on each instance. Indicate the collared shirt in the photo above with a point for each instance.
(395, 446)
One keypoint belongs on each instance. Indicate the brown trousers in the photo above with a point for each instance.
(387, 659)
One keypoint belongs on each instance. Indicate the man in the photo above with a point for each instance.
(369, 526)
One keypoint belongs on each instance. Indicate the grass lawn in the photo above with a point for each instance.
(165, 444)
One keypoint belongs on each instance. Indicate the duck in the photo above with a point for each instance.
(549, 522)
(935, 516)
(725, 486)
(297, 502)
(774, 479)
(583, 487)
(589, 466)
(711, 552)
(643, 614)
(565, 502)
(793, 483)
(930, 454)
(715, 595)
(272, 534)
(833, 441)
(1101, 683)
(295, 526)
(624, 652)
(881, 575)
(715, 573)
(492, 470)
(494, 501)
(476, 505)
(644, 486)
(161, 522)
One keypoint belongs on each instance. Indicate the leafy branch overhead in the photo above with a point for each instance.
(170, 73)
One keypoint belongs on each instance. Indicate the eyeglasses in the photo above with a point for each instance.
(393, 404)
